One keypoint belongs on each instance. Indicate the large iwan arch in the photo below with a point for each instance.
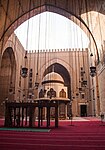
(17, 14)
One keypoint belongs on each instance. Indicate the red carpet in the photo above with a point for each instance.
(83, 135)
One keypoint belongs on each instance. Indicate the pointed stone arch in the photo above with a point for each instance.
(64, 70)
(7, 77)
(60, 8)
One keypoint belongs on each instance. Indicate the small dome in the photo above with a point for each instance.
(53, 77)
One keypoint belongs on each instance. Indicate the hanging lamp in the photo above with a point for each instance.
(36, 82)
(24, 70)
(93, 71)
(92, 68)
(84, 82)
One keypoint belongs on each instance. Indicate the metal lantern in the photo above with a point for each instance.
(24, 72)
(36, 82)
(36, 85)
(80, 89)
(84, 83)
(92, 71)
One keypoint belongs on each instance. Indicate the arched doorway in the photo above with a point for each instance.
(60, 69)
(7, 77)
(62, 87)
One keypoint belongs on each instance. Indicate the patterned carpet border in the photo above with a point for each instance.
(24, 129)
